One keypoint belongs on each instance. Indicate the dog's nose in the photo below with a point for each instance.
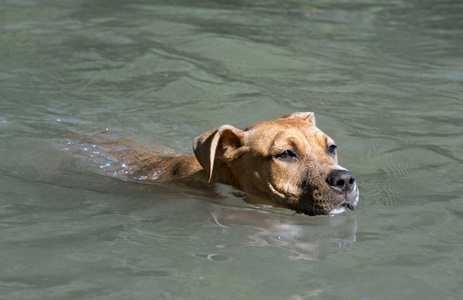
(341, 180)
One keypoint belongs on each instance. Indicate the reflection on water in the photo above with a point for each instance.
(307, 239)
(384, 79)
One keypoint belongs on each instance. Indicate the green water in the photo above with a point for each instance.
(385, 79)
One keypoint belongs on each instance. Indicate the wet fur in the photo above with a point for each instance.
(248, 160)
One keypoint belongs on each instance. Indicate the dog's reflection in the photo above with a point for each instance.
(307, 238)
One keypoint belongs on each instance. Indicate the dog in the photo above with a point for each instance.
(287, 162)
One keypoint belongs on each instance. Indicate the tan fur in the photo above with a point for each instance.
(253, 160)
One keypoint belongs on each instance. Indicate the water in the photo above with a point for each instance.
(384, 78)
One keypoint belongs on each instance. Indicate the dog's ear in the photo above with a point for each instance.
(307, 116)
(222, 143)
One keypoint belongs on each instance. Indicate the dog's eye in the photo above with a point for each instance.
(332, 149)
(286, 155)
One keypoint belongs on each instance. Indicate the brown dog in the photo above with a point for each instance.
(288, 161)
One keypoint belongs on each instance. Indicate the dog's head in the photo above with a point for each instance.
(289, 161)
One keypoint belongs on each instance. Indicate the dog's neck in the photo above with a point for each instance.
(223, 174)
(165, 168)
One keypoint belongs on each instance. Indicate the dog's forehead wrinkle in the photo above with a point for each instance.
(282, 140)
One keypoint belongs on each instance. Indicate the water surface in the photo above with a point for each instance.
(384, 78)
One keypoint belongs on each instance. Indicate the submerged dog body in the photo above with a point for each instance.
(288, 161)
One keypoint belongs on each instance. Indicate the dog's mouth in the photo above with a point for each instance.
(326, 202)
(341, 209)
(348, 203)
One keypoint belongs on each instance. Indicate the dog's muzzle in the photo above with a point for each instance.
(343, 183)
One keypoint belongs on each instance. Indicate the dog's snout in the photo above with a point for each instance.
(341, 180)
